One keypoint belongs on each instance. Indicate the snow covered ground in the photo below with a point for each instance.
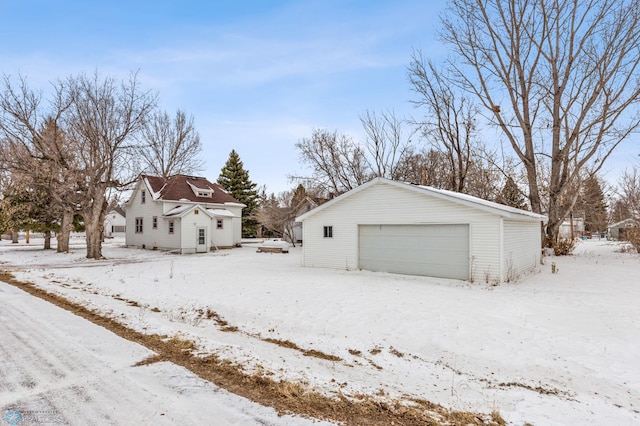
(552, 349)
(57, 368)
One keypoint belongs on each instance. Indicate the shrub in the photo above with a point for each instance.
(633, 236)
(564, 247)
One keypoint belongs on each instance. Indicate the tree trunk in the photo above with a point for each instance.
(93, 215)
(65, 230)
(94, 240)
(14, 237)
(47, 240)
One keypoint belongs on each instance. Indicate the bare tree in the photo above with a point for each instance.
(103, 120)
(450, 125)
(338, 163)
(424, 167)
(277, 214)
(171, 147)
(558, 77)
(36, 151)
(629, 194)
(385, 142)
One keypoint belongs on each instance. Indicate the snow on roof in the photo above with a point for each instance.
(221, 213)
(176, 211)
(625, 223)
(154, 194)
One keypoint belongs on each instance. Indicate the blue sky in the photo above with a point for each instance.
(256, 75)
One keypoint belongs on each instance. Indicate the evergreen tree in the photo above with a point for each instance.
(235, 180)
(28, 209)
(299, 194)
(593, 204)
(511, 195)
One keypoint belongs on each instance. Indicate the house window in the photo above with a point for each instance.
(196, 211)
(328, 231)
(204, 194)
(143, 196)
(138, 225)
(171, 226)
(219, 224)
(155, 222)
(118, 228)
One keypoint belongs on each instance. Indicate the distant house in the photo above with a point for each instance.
(186, 214)
(115, 223)
(390, 226)
(565, 230)
(618, 229)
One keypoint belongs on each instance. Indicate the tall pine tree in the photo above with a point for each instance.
(592, 203)
(235, 180)
(511, 195)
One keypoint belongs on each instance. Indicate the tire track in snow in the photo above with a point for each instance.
(54, 361)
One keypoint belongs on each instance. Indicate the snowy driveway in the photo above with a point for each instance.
(57, 368)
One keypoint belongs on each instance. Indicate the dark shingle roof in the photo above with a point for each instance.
(179, 187)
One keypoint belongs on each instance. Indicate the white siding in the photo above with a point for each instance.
(236, 224)
(183, 238)
(149, 237)
(114, 219)
(522, 248)
(386, 204)
(190, 222)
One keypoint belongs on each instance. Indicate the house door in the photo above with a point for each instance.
(201, 240)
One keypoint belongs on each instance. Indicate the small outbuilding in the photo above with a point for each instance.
(617, 230)
(390, 226)
(115, 223)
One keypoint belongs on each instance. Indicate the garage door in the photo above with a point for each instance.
(430, 250)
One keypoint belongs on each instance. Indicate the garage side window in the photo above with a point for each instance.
(328, 231)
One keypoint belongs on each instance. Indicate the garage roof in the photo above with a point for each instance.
(455, 197)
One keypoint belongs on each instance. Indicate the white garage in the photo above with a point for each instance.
(395, 227)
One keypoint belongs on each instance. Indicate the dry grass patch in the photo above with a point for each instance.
(497, 418)
(306, 352)
(375, 351)
(396, 352)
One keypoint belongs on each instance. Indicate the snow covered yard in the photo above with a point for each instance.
(551, 349)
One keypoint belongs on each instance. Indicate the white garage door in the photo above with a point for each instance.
(429, 250)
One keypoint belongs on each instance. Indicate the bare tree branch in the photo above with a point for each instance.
(171, 147)
(558, 77)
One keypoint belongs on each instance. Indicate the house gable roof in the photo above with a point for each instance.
(119, 210)
(627, 223)
(187, 188)
(455, 197)
(183, 210)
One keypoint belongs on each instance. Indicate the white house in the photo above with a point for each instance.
(565, 230)
(391, 226)
(186, 214)
(115, 223)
